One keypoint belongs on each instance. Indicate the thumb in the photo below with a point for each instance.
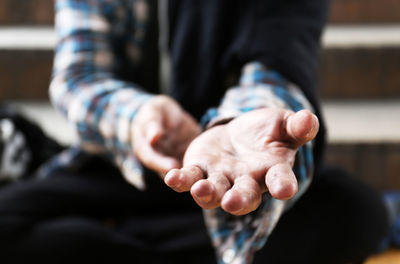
(154, 131)
(302, 127)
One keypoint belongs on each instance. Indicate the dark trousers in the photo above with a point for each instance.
(94, 215)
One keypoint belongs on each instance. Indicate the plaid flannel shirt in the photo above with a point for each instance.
(86, 89)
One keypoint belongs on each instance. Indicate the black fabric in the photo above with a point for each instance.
(145, 71)
(97, 216)
(338, 220)
(39, 143)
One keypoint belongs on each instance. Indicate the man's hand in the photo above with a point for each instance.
(231, 165)
(161, 132)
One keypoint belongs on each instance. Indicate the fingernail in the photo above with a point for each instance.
(315, 121)
(232, 205)
(283, 190)
(172, 180)
(315, 126)
(205, 199)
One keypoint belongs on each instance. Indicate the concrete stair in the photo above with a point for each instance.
(40, 12)
(26, 12)
(364, 137)
(353, 65)
(359, 80)
(26, 57)
(365, 11)
(360, 62)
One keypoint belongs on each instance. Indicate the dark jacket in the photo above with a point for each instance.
(210, 40)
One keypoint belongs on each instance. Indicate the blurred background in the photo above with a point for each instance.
(359, 81)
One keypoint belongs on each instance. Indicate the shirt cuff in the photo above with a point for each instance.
(117, 132)
(258, 88)
(110, 130)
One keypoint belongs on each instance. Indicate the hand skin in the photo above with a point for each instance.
(161, 133)
(231, 165)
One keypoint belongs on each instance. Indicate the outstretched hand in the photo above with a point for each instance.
(161, 132)
(231, 165)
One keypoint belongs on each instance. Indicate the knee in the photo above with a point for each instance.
(360, 211)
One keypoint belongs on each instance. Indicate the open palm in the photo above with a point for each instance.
(231, 165)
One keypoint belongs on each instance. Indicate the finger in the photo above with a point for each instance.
(302, 127)
(243, 197)
(281, 181)
(147, 126)
(155, 160)
(173, 115)
(167, 112)
(181, 180)
(208, 193)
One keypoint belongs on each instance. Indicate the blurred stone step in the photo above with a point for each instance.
(364, 138)
(25, 74)
(365, 11)
(366, 36)
(360, 72)
(377, 164)
(26, 12)
(26, 57)
(356, 62)
(360, 62)
(41, 12)
(362, 121)
(44, 114)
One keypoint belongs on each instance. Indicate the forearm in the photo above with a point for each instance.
(85, 87)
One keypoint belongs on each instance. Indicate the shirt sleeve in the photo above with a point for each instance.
(85, 86)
